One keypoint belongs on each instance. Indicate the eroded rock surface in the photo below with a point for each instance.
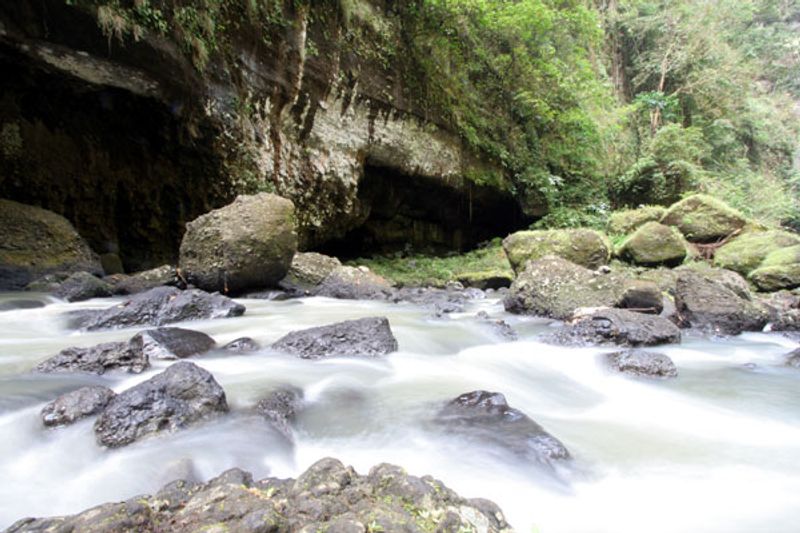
(73, 406)
(642, 364)
(364, 337)
(619, 327)
(97, 359)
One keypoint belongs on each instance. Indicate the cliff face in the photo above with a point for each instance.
(132, 119)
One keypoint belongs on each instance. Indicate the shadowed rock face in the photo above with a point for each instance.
(171, 343)
(366, 337)
(326, 497)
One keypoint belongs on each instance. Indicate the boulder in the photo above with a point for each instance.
(365, 337)
(308, 269)
(642, 364)
(440, 302)
(327, 497)
(618, 327)
(35, 242)
(642, 296)
(159, 306)
(97, 359)
(112, 264)
(747, 251)
(779, 270)
(354, 283)
(711, 300)
(486, 416)
(584, 247)
(82, 286)
(181, 395)
(246, 244)
(554, 287)
(145, 280)
(625, 222)
(73, 406)
(241, 345)
(280, 407)
(171, 343)
(783, 309)
(654, 244)
(701, 218)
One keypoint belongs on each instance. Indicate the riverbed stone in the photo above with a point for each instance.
(585, 247)
(171, 343)
(793, 358)
(97, 359)
(164, 275)
(486, 416)
(654, 244)
(363, 337)
(701, 218)
(617, 327)
(75, 405)
(640, 363)
(642, 296)
(307, 271)
(247, 244)
(280, 407)
(181, 395)
(241, 345)
(746, 252)
(82, 286)
(354, 283)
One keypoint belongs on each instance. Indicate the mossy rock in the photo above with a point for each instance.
(775, 278)
(654, 244)
(701, 218)
(584, 247)
(746, 252)
(625, 222)
(486, 279)
(782, 257)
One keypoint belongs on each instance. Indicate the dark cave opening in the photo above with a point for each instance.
(405, 213)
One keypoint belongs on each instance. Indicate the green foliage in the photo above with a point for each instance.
(588, 216)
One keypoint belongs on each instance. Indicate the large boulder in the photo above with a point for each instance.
(618, 327)
(654, 244)
(366, 337)
(171, 343)
(487, 417)
(83, 286)
(97, 359)
(160, 306)
(246, 244)
(75, 405)
(747, 251)
(584, 247)
(702, 218)
(625, 222)
(354, 283)
(327, 497)
(554, 287)
(642, 364)
(308, 269)
(711, 300)
(35, 242)
(779, 270)
(181, 395)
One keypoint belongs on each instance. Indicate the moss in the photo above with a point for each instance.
(702, 218)
(746, 252)
(777, 277)
(625, 222)
(782, 257)
(654, 244)
(585, 247)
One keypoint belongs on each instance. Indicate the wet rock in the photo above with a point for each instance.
(241, 345)
(47, 283)
(82, 286)
(499, 326)
(35, 242)
(654, 244)
(643, 297)
(584, 247)
(616, 326)
(246, 244)
(439, 301)
(308, 269)
(75, 405)
(705, 300)
(174, 399)
(783, 308)
(793, 359)
(159, 306)
(97, 359)
(171, 343)
(327, 497)
(486, 416)
(702, 218)
(280, 407)
(351, 283)
(165, 275)
(642, 364)
(365, 337)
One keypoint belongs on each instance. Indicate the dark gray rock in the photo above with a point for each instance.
(241, 345)
(12, 305)
(82, 286)
(159, 306)
(486, 416)
(171, 343)
(280, 408)
(643, 297)
(366, 337)
(96, 359)
(165, 275)
(793, 359)
(499, 326)
(75, 405)
(619, 327)
(440, 301)
(181, 395)
(327, 497)
(642, 364)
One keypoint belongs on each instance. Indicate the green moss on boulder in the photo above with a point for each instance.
(584, 247)
(654, 244)
(779, 270)
(783, 256)
(702, 218)
(746, 252)
(625, 222)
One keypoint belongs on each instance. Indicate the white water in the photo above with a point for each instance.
(716, 450)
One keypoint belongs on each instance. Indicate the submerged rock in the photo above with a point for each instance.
(354, 283)
(20, 303)
(585, 247)
(702, 218)
(326, 497)
(365, 337)
(499, 326)
(181, 395)
(793, 359)
(97, 359)
(159, 306)
(280, 407)
(642, 364)
(486, 416)
(245, 245)
(617, 326)
(241, 345)
(83, 286)
(75, 405)
(171, 343)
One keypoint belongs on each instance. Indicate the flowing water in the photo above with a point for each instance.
(716, 450)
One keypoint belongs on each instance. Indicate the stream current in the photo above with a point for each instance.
(715, 450)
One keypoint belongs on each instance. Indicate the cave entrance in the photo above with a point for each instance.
(405, 213)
